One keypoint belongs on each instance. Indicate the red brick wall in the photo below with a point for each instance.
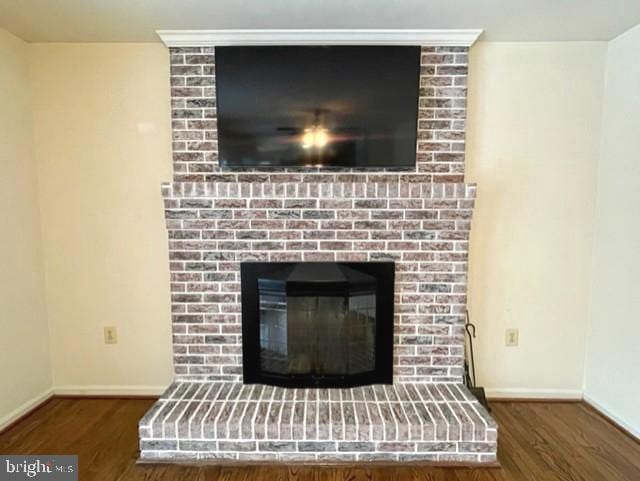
(418, 217)
(441, 122)
(424, 228)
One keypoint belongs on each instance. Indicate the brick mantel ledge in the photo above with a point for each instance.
(319, 190)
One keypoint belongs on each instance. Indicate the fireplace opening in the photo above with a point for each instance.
(317, 324)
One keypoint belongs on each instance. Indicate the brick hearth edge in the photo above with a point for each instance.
(232, 421)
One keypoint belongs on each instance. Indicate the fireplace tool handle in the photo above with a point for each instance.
(478, 392)
(471, 332)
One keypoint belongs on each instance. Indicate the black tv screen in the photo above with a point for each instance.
(317, 106)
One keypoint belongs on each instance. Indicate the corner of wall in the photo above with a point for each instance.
(608, 380)
(26, 332)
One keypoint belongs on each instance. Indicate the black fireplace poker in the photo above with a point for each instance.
(470, 365)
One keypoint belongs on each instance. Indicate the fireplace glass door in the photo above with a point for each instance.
(317, 324)
(322, 335)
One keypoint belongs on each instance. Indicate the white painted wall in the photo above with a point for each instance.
(25, 376)
(103, 147)
(612, 378)
(533, 143)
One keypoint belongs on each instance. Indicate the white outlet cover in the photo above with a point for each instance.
(110, 335)
(511, 337)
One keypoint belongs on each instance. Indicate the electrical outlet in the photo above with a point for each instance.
(110, 335)
(511, 337)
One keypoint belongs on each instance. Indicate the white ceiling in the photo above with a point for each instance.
(137, 20)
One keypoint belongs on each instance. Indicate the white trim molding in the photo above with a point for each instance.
(632, 430)
(542, 394)
(214, 38)
(23, 409)
(106, 390)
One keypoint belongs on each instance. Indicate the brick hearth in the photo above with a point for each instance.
(232, 421)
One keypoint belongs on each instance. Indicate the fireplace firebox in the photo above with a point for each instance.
(317, 324)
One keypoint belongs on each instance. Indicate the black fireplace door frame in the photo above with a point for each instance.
(384, 272)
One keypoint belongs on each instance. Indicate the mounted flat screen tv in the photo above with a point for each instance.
(317, 106)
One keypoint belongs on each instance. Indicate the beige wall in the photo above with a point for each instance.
(612, 379)
(102, 136)
(103, 148)
(24, 347)
(533, 136)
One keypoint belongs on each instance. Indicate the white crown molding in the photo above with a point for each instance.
(207, 38)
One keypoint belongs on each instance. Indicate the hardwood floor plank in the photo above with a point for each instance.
(513, 437)
(567, 459)
(537, 442)
(582, 445)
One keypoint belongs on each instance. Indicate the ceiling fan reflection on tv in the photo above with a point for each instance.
(318, 135)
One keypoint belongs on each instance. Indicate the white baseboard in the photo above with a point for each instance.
(492, 393)
(106, 390)
(25, 408)
(523, 393)
(613, 417)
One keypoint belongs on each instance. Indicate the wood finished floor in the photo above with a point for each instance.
(537, 442)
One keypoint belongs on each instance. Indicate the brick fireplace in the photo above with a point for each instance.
(419, 219)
